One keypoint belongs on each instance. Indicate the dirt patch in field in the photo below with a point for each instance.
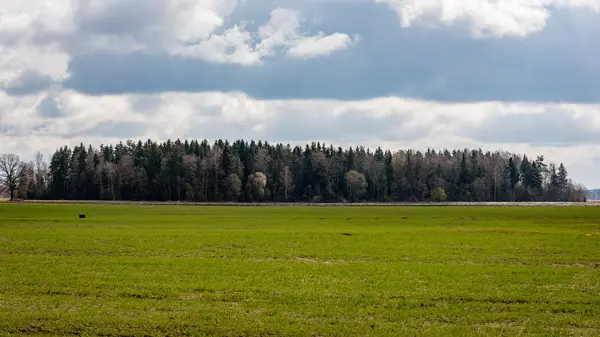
(5, 240)
(509, 301)
(306, 260)
(191, 297)
(498, 325)
(500, 231)
(573, 265)
(143, 296)
(483, 300)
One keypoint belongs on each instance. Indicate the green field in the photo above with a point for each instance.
(322, 271)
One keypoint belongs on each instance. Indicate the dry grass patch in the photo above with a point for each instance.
(501, 231)
(191, 297)
(307, 260)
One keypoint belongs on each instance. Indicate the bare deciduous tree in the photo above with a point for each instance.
(234, 186)
(107, 172)
(375, 170)
(256, 185)
(287, 180)
(357, 184)
(11, 172)
(262, 161)
(26, 186)
(126, 172)
(215, 161)
(41, 174)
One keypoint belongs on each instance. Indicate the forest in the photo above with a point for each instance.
(202, 171)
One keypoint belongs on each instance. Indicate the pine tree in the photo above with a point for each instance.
(198, 171)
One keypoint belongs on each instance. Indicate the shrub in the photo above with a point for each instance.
(439, 195)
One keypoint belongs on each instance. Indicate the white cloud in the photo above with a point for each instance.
(193, 20)
(47, 17)
(282, 30)
(47, 60)
(40, 36)
(237, 45)
(26, 28)
(486, 17)
(194, 29)
(233, 46)
(321, 45)
(388, 121)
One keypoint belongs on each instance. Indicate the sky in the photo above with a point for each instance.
(520, 76)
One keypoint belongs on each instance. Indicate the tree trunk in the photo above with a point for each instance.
(216, 184)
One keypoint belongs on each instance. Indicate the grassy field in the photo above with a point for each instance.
(339, 271)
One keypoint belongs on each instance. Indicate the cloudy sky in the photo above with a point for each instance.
(514, 75)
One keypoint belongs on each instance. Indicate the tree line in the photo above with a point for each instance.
(252, 171)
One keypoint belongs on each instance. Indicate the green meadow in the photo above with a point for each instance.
(133, 270)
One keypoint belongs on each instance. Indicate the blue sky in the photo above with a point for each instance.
(518, 76)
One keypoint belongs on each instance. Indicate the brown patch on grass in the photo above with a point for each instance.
(500, 231)
(5, 240)
(570, 265)
(313, 260)
(482, 300)
(35, 329)
(191, 297)
(498, 325)
(304, 260)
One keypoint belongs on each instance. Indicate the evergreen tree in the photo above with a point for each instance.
(198, 171)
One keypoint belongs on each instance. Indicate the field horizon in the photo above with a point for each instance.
(592, 203)
(148, 270)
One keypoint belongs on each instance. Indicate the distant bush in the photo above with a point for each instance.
(439, 195)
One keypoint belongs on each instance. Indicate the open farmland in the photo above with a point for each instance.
(243, 271)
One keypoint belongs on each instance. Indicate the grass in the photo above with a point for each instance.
(299, 271)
